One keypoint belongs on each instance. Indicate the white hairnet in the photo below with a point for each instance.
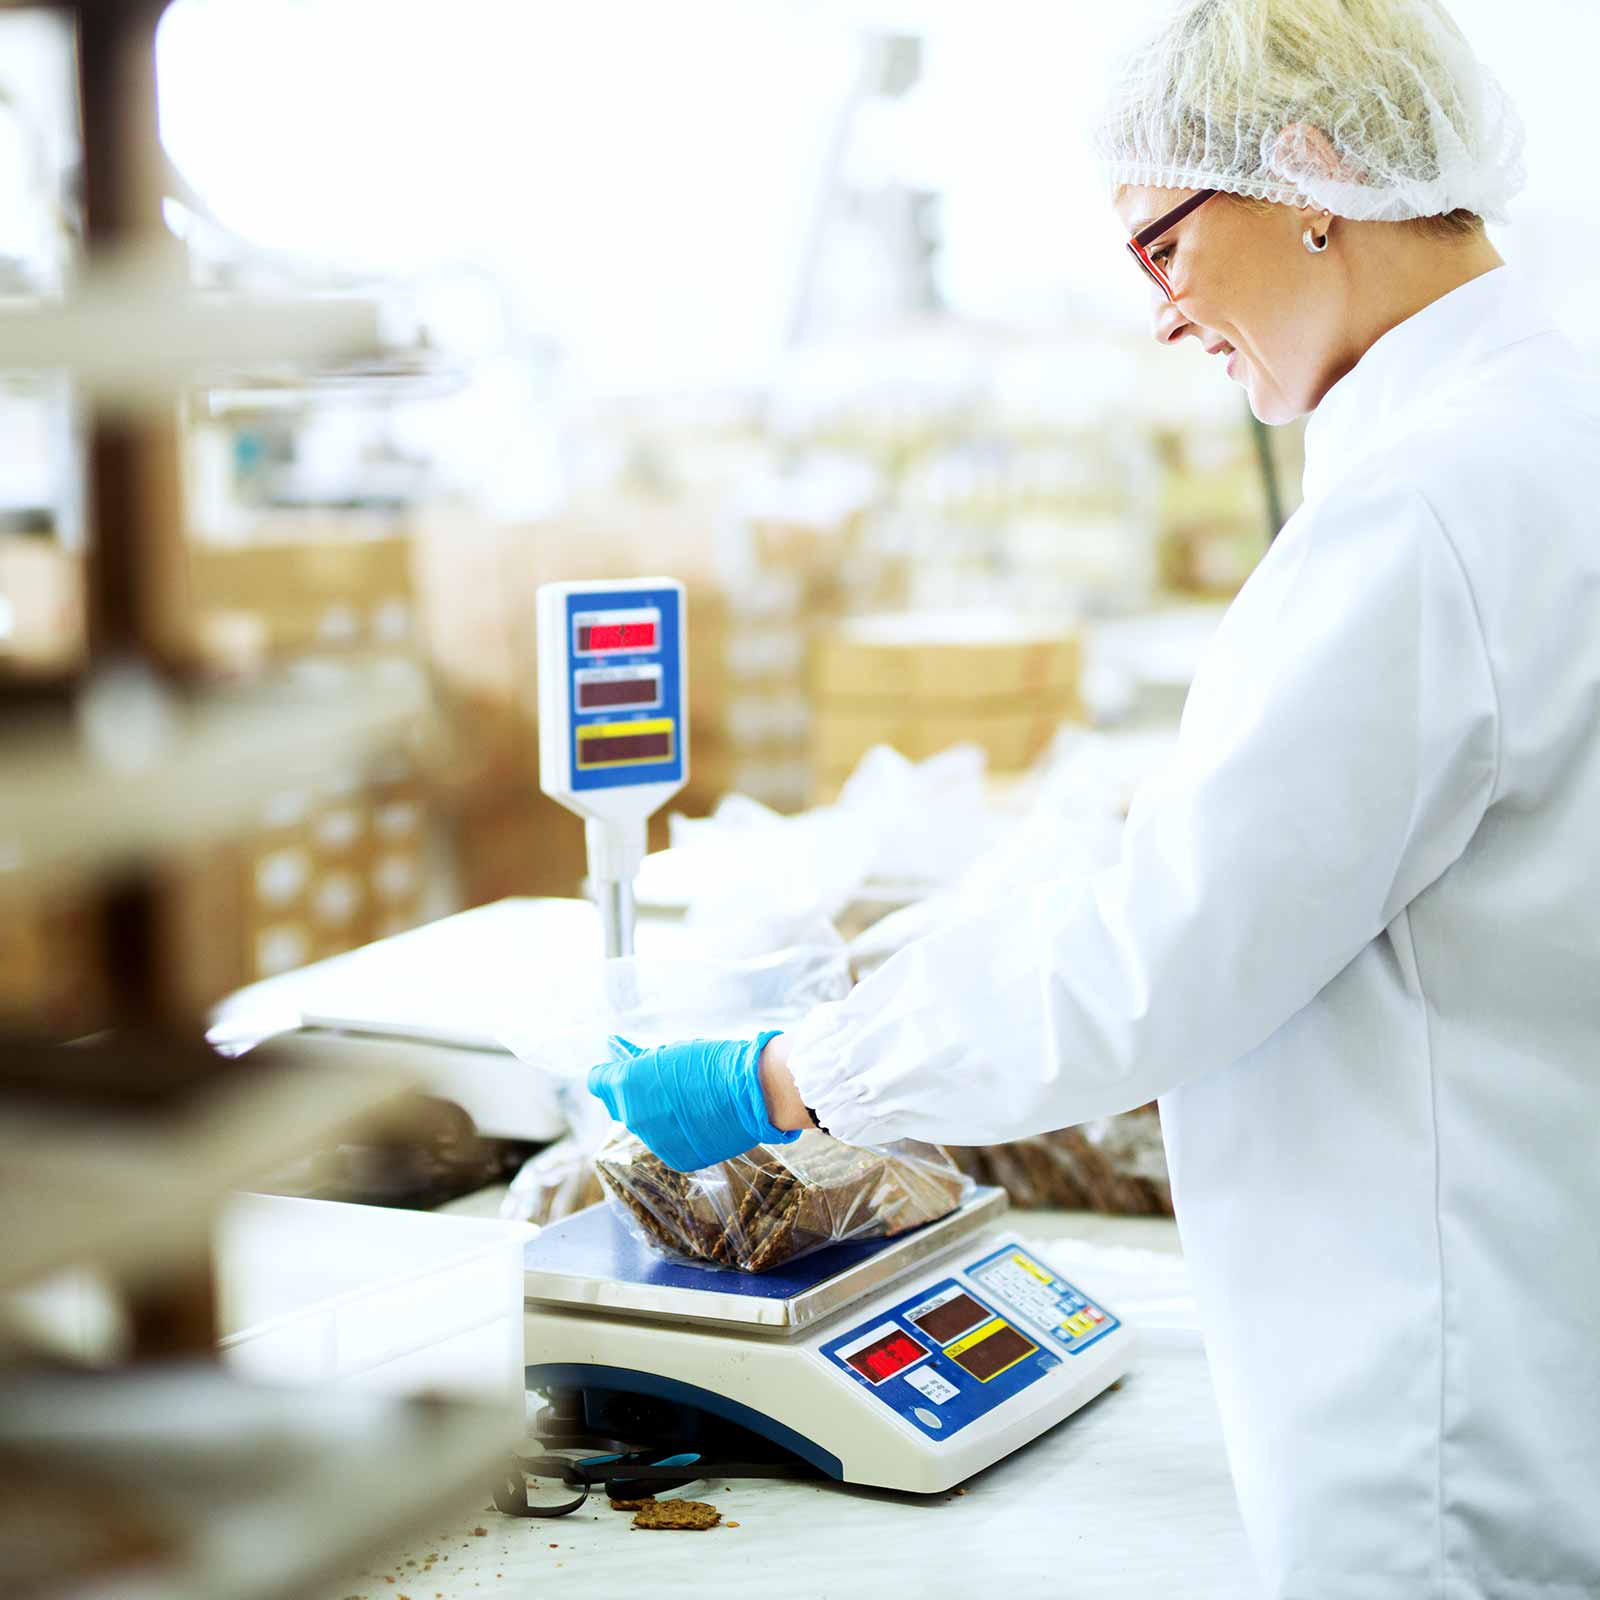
(1376, 110)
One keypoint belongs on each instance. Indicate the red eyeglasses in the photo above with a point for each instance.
(1139, 244)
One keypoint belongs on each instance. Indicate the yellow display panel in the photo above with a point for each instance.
(988, 1351)
(626, 744)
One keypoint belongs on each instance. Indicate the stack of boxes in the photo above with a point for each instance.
(791, 564)
(304, 586)
(324, 872)
(923, 682)
(316, 873)
(749, 704)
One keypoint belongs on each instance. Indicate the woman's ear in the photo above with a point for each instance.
(1305, 156)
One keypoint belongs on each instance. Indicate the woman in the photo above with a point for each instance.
(1352, 941)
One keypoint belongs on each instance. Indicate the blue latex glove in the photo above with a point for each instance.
(694, 1103)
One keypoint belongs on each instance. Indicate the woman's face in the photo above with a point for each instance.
(1251, 293)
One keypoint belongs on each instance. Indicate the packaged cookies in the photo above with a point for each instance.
(553, 1184)
(777, 1202)
(1116, 1165)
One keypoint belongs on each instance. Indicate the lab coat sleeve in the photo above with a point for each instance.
(1339, 748)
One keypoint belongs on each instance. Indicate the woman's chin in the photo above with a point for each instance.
(1270, 408)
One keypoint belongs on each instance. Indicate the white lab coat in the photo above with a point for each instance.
(1353, 943)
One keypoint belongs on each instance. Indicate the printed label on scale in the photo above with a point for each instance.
(931, 1385)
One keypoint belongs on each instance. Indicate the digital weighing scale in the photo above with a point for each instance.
(908, 1363)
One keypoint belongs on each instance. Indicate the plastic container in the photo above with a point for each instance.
(407, 1302)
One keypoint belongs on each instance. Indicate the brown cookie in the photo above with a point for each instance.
(634, 1505)
(685, 1514)
(771, 1205)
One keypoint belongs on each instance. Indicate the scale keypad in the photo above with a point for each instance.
(1023, 1284)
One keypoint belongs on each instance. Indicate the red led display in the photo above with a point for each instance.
(618, 636)
(886, 1357)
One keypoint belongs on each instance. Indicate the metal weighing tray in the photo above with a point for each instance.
(592, 1263)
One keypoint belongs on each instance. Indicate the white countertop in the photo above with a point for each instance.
(1129, 1497)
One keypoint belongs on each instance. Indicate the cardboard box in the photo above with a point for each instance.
(1012, 739)
(287, 599)
(52, 972)
(41, 605)
(522, 844)
(900, 658)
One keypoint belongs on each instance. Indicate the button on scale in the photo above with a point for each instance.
(1055, 1305)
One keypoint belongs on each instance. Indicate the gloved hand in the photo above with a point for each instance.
(694, 1103)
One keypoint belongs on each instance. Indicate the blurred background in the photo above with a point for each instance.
(819, 307)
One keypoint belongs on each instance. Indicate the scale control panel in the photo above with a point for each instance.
(612, 690)
(959, 1348)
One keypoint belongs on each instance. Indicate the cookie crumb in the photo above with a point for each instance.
(479, 1533)
(730, 1524)
(689, 1515)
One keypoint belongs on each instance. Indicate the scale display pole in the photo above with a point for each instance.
(613, 723)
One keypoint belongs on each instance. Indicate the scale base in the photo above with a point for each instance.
(624, 1420)
(650, 1355)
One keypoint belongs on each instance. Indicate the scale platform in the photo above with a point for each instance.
(594, 1262)
(909, 1363)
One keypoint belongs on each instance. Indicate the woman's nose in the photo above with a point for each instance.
(1168, 323)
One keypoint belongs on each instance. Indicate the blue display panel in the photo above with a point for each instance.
(1021, 1283)
(942, 1359)
(625, 688)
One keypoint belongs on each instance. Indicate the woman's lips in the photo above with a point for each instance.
(1223, 348)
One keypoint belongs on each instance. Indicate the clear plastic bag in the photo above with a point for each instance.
(558, 1181)
(734, 990)
(777, 1203)
(1116, 1165)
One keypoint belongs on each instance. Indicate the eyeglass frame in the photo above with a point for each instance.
(1139, 244)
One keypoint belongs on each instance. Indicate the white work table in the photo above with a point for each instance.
(1129, 1497)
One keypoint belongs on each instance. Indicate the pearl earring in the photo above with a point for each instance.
(1315, 243)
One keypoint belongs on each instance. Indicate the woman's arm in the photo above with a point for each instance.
(1339, 749)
